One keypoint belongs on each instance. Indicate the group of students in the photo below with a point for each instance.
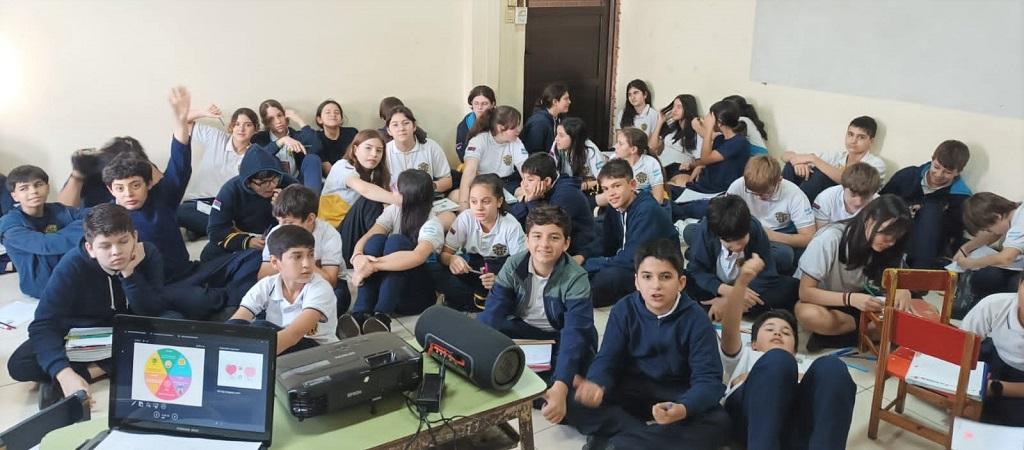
(512, 233)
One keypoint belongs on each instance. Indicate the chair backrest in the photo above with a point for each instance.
(933, 339)
(923, 280)
(30, 432)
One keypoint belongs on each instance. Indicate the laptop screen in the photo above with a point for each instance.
(192, 378)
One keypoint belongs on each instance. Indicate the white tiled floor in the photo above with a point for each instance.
(18, 400)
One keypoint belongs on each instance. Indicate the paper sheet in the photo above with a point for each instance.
(119, 440)
(203, 207)
(971, 435)
(443, 205)
(983, 251)
(509, 198)
(690, 195)
(934, 373)
(18, 313)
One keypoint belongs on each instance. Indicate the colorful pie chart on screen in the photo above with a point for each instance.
(168, 374)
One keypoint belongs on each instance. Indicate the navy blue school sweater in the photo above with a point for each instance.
(82, 294)
(238, 210)
(565, 193)
(906, 183)
(645, 220)
(332, 150)
(567, 306)
(306, 136)
(36, 244)
(706, 248)
(679, 353)
(462, 134)
(157, 219)
(717, 177)
(539, 131)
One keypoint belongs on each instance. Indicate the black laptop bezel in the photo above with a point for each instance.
(151, 324)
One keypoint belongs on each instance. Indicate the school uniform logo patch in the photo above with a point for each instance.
(782, 217)
(641, 177)
(51, 228)
(507, 159)
(424, 167)
(499, 250)
(643, 126)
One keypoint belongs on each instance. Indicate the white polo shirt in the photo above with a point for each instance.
(829, 206)
(595, 161)
(788, 206)
(753, 135)
(428, 157)
(268, 295)
(505, 238)
(219, 163)
(327, 244)
(431, 230)
(337, 182)
(838, 160)
(1015, 235)
(996, 317)
(647, 172)
(673, 151)
(500, 159)
(646, 120)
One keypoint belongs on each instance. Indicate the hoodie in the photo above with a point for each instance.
(644, 219)
(565, 193)
(157, 219)
(704, 252)
(37, 244)
(906, 183)
(678, 353)
(237, 210)
(82, 294)
(307, 136)
(539, 131)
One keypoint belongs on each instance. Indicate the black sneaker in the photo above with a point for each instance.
(49, 393)
(377, 323)
(348, 326)
(818, 342)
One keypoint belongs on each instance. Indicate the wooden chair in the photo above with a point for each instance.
(915, 334)
(913, 280)
(29, 432)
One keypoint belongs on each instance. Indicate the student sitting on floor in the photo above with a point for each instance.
(842, 268)
(542, 185)
(999, 319)
(112, 272)
(392, 266)
(477, 246)
(859, 185)
(936, 194)
(85, 186)
(814, 172)
(631, 146)
(494, 147)
(296, 205)
(634, 217)
(35, 233)
(481, 98)
(542, 294)
(296, 299)
(723, 240)
(334, 138)
(658, 360)
(549, 109)
(989, 218)
(297, 150)
(811, 409)
(576, 156)
(780, 206)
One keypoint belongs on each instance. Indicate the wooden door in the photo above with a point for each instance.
(568, 41)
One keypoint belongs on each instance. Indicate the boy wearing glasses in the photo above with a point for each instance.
(780, 206)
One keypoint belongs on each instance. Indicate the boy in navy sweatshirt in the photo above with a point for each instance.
(935, 193)
(542, 185)
(561, 310)
(35, 233)
(658, 361)
(111, 272)
(728, 236)
(297, 150)
(633, 219)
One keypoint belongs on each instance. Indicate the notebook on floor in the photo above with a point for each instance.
(185, 384)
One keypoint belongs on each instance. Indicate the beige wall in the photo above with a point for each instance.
(76, 73)
(702, 47)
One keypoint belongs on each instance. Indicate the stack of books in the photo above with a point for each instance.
(88, 344)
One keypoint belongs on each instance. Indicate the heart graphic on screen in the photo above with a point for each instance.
(231, 369)
(250, 372)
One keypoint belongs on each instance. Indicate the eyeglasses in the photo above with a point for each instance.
(768, 195)
(272, 181)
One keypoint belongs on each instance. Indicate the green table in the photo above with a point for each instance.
(390, 428)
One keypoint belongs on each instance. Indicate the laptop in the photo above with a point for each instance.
(188, 383)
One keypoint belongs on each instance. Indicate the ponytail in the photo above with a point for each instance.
(747, 110)
(503, 115)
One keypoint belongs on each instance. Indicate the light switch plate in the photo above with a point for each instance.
(520, 15)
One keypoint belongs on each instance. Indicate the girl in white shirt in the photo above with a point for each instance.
(631, 145)
(391, 260)
(479, 242)
(408, 150)
(494, 147)
(674, 140)
(361, 172)
(637, 112)
(577, 156)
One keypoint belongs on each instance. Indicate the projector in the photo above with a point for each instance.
(347, 373)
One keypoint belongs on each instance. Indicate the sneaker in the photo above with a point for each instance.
(49, 393)
(377, 323)
(818, 342)
(348, 326)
